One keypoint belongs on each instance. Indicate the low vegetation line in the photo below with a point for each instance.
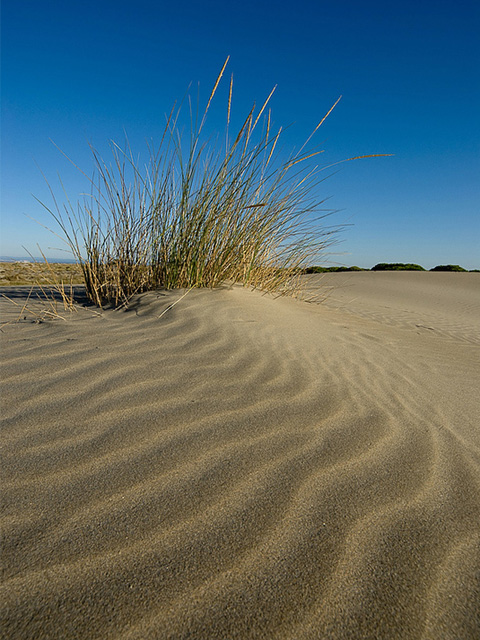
(388, 266)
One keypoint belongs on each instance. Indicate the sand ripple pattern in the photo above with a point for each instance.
(241, 467)
(441, 304)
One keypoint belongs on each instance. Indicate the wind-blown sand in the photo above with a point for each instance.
(245, 467)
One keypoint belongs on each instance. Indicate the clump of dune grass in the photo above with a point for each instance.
(199, 213)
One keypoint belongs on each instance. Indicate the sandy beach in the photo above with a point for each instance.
(243, 466)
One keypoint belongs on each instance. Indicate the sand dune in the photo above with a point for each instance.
(247, 467)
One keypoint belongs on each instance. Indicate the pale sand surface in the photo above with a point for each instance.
(245, 467)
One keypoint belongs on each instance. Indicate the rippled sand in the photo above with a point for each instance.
(247, 467)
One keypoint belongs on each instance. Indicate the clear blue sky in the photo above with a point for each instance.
(409, 73)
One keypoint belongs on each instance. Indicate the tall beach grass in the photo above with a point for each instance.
(200, 212)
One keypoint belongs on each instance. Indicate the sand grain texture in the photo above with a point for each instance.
(244, 467)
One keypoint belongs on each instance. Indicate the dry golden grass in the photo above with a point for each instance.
(50, 293)
(34, 273)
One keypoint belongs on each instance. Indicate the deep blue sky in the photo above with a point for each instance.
(409, 73)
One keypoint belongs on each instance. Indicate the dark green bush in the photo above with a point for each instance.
(332, 269)
(397, 266)
(448, 267)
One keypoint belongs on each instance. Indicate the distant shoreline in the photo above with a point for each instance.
(319, 268)
(28, 272)
(36, 259)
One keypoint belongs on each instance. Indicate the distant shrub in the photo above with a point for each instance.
(332, 269)
(448, 267)
(354, 268)
(397, 266)
(315, 270)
